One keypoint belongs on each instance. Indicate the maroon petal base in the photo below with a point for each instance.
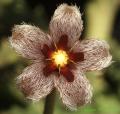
(66, 72)
(49, 68)
(76, 57)
(46, 51)
(63, 43)
(52, 67)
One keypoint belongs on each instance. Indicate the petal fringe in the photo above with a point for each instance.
(76, 93)
(66, 20)
(96, 54)
(33, 83)
(28, 40)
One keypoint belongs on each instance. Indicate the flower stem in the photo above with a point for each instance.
(49, 103)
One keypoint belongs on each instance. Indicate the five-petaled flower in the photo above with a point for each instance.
(59, 58)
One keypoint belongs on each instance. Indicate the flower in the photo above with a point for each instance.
(60, 59)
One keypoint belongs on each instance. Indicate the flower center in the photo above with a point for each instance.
(60, 58)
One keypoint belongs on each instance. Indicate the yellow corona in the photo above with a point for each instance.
(60, 58)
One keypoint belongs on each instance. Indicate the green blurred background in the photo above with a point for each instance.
(101, 20)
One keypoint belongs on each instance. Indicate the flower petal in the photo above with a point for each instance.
(66, 20)
(33, 83)
(28, 40)
(76, 93)
(96, 54)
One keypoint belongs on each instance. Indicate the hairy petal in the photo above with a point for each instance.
(33, 83)
(66, 20)
(76, 93)
(28, 40)
(96, 54)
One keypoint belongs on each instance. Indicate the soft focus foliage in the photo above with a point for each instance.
(106, 84)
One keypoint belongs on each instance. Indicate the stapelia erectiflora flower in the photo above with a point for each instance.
(60, 59)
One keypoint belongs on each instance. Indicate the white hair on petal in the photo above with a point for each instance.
(76, 93)
(33, 83)
(96, 54)
(66, 20)
(28, 40)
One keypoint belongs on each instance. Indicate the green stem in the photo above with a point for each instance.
(49, 103)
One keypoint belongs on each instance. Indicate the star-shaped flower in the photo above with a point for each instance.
(60, 59)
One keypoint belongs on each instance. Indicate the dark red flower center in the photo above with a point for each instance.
(59, 59)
